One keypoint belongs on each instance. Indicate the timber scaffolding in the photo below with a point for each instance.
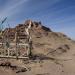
(14, 53)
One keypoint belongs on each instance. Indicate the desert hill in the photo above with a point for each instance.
(55, 45)
(43, 38)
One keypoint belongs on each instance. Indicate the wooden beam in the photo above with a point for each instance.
(13, 57)
(18, 44)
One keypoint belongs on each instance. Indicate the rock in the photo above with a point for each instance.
(5, 63)
(21, 69)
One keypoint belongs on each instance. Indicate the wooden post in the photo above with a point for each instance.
(7, 43)
(30, 49)
(16, 44)
(8, 52)
(2, 39)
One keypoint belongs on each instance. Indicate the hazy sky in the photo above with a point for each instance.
(59, 15)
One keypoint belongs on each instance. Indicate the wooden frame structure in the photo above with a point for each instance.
(5, 52)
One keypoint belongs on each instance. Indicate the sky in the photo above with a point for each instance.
(59, 15)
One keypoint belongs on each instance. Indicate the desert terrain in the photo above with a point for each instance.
(53, 53)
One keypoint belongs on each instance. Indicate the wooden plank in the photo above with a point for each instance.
(15, 44)
(14, 57)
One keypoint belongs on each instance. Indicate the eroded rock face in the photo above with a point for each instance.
(37, 26)
(36, 29)
(61, 49)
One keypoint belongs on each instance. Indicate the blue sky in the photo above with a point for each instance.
(59, 15)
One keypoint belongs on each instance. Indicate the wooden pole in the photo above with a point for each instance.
(16, 40)
(8, 42)
(8, 52)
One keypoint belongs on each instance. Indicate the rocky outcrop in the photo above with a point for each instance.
(36, 28)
